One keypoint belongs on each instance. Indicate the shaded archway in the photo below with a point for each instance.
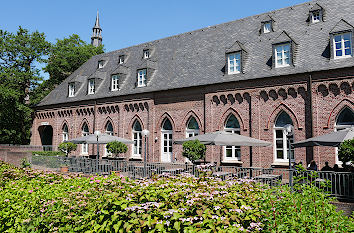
(46, 135)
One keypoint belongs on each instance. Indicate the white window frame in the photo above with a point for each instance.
(101, 64)
(192, 132)
(146, 53)
(115, 82)
(169, 146)
(316, 16)
(142, 77)
(342, 43)
(66, 134)
(235, 59)
(138, 143)
(121, 59)
(234, 149)
(281, 49)
(106, 152)
(91, 87)
(267, 29)
(71, 89)
(84, 146)
(285, 146)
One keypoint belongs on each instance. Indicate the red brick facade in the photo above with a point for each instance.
(313, 101)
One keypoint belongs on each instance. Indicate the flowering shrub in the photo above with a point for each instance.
(33, 201)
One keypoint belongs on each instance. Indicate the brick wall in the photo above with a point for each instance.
(312, 101)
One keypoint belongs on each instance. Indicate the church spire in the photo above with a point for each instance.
(96, 39)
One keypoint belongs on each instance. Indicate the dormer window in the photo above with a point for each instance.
(121, 59)
(91, 87)
(115, 82)
(267, 27)
(71, 89)
(146, 53)
(316, 16)
(234, 63)
(282, 55)
(342, 45)
(100, 64)
(141, 78)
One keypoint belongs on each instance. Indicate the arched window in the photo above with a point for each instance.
(232, 153)
(137, 129)
(344, 120)
(281, 146)
(65, 133)
(109, 128)
(192, 128)
(85, 131)
(109, 131)
(166, 141)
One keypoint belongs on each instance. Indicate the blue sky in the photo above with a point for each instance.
(127, 23)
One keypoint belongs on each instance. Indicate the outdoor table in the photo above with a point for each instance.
(222, 175)
(269, 178)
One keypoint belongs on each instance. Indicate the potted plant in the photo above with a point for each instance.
(66, 147)
(194, 150)
(116, 148)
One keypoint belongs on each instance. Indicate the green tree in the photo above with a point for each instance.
(346, 151)
(20, 52)
(66, 56)
(194, 150)
(116, 148)
(67, 147)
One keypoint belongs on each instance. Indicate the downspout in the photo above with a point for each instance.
(309, 150)
(250, 127)
(148, 127)
(94, 123)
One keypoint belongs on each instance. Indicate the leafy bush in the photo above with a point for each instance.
(34, 201)
(194, 150)
(346, 151)
(67, 147)
(48, 153)
(116, 148)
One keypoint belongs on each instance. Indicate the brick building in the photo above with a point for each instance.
(251, 76)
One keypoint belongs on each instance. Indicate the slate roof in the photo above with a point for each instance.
(198, 57)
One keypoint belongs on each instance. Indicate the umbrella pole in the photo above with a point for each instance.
(98, 155)
(290, 167)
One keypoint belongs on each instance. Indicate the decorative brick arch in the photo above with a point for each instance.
(108, 119)
(336, 110)
(275, 113)
(132, 121)
(82, 123)
(226, 115)
(186, 119)
(161, 120)
(62, 125)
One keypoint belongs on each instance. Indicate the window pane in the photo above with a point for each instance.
(228, 153)
(232, 122)
(339, 53)
(280, 154)
(283, 119)
(346, 36)
(338, 38)
(338, 45)
(348, 52)
(279, 134)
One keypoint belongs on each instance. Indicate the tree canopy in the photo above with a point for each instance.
(19, 54)
(21, 84)
(66, 56)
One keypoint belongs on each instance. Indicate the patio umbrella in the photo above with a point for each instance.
(222, 138)
(102, 139)
(333, 139)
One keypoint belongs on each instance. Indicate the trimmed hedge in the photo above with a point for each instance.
(48, 153)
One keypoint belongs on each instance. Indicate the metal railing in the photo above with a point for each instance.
(339, 184)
